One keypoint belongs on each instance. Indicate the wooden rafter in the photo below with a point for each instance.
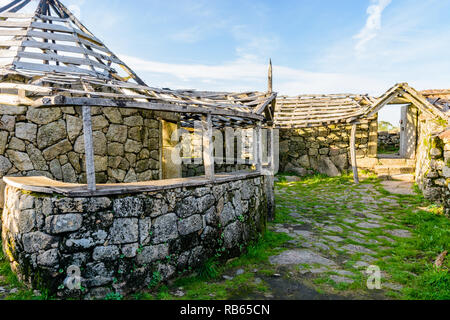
(54, 53)
(318, 110)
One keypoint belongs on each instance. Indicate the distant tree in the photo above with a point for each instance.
(385, 126)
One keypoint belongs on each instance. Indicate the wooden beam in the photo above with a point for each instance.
(89, 149)
(9, 5)
(259, 149)
(48, 186)
(208, 147)
(89, 144)
(382, 103)
(60, 100)
(270, 79)
(268, 101)
(353, 154)
(271, 149)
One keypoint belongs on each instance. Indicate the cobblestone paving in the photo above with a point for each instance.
(338, 231)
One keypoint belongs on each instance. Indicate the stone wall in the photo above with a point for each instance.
(433, 162)
(389, 141)
(192, 165)
(195, 170)
(325, 149)
(119, 243)
(49, 142)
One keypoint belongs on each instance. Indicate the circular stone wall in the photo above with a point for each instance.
(119, 243)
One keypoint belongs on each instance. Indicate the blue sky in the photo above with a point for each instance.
(322, 46)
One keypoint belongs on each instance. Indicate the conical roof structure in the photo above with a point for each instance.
(51, 59)
(52, 39)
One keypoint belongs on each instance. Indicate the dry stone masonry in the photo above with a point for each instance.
(121, 243)
(433, 163)
(389, 141)
(49, 142)
(193, 166)
(325, 149)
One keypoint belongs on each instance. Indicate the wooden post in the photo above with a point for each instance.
(271, 149)
(353, 153)
(208, 148)
(270, 78)
(89, 148)
(258, 144)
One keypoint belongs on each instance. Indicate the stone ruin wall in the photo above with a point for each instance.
(193, 166)
(49, 142)
(433, 162)
(119, 243)
(388, 140)
(325, 149)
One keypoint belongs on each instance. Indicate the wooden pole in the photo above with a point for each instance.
(353, 153)
(271, 149)
(259, 150)
(208, 148)
(270, 78)
(89, 148)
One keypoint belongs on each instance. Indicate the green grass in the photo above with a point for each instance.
(208, 283)
(416, 255)
(9, 280)
(388, 150)
(411, 260)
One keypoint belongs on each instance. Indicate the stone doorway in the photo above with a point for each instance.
(397, 132)
(170, 169)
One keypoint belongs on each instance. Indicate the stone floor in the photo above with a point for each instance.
(338, 230)
(337, 235)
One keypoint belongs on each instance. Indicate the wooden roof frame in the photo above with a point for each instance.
(55, 56)
(402, 93)
(85, 76)
(317, 110)
(305, 111)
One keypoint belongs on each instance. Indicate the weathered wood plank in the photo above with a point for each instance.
(48, 186)
(157, 106)
(27, 87)
(208, 147)
(51, 36)
(63, 29)
(14, 24)
(89, 148)
(353, 153)
(67, 48)
(52, 18)
(13, 32)
(14, 100)
(62, 59)
(20, 6)
(60, 69)
(7, 53)
(259, 147)
(9, 5)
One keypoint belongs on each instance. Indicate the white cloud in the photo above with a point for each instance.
(248, 74)
(190, 35)
(373, 24)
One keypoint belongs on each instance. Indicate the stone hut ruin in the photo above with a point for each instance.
(100, 194)
(93, 198)
(334, 133)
